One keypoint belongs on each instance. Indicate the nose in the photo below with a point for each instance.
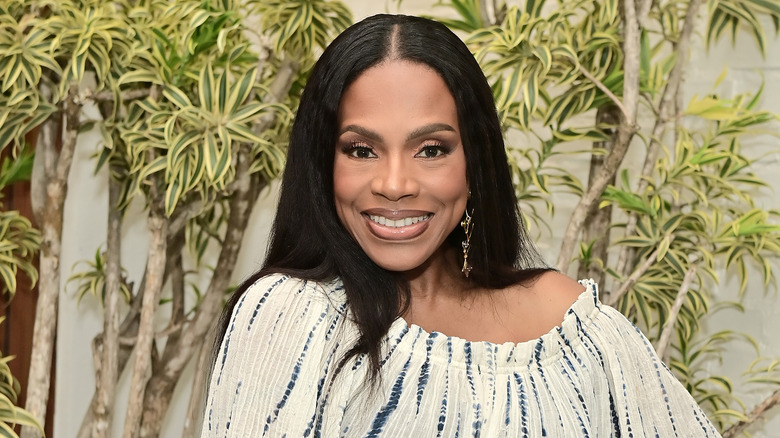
(395, 179)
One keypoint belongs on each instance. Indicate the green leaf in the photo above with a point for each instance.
(139, 76)
(247, 112)
(159, 164)
(176, 96)
(198, 18)
(711, 108)
(8, 275)
(222, 93)
(663, 247)
(628, 201)
(510, 88)
(179, 147)
(205, 88)
(241, 91)
(173, 193)
(531, 93)
(210, 155)
(544, 56)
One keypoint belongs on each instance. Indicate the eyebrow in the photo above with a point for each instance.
(419, 132)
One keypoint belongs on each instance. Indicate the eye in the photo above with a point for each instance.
(359, 151)
(432, 151)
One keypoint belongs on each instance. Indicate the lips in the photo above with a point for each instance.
(397, 224)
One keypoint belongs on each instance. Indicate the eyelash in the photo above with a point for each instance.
(353, 148)
(440, 148)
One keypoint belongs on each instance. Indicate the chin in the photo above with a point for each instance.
(397, 267)
(400, 263)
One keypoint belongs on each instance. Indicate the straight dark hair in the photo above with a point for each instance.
(308, 240)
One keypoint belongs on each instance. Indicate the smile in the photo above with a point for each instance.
(405, 222)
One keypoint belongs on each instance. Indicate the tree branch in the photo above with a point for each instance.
(178, 351)
(598, 221)
(183, 215)
(484, 9)
(177, 354)
(107, 367)
(155, 271)
(108, 96)
(600, 85)
(613, 298)
(626, 130)
(175, 274)
(665, 110)
(194, 419)
(666, 335)
(644, 11)
(56, 168)
(48, 135)
(499, 10)
(760, 409)
(277, 90)
(126, 339)
(669, 96)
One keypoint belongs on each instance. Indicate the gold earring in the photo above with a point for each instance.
(467, 225)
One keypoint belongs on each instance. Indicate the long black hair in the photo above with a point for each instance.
(308, 240)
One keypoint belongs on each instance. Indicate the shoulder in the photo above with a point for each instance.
(542, 303)
(555, 290)
(281, 294)
(282, 307)
(290, 282)
(283, 286)
(279, 343)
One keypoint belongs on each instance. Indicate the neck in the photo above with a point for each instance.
(439, 276)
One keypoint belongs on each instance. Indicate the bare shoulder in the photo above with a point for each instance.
(545, 301)
(557, 287)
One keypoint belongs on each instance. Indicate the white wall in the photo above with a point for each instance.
(84, 231)
(761, 319)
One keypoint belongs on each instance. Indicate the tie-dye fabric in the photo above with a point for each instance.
(594, 376)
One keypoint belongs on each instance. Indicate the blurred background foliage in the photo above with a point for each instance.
(193, 100)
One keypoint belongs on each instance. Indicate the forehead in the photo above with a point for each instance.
(401, 89)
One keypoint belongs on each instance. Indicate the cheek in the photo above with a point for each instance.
(453, 185)
(343, 190)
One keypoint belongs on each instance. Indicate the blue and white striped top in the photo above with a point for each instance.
(594, 376)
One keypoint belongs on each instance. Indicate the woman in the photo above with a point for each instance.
(401, 296)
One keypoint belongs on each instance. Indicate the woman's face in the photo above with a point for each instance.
(399, 173)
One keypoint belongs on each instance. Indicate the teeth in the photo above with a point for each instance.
(381, 220)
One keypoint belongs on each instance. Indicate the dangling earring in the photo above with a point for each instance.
(467, 225)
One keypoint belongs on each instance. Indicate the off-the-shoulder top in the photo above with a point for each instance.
(595, 375)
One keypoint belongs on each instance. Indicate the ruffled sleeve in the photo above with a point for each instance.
(648, 399)
(271, 373)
